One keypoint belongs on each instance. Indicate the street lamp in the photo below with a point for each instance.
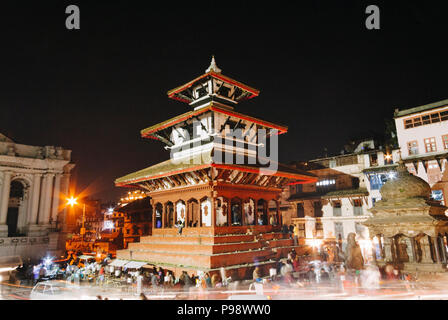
(73, 201)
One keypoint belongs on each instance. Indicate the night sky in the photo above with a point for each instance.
(320, 72)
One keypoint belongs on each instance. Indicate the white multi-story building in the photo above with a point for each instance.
(422, 134)
(32, 180)
(348, 186)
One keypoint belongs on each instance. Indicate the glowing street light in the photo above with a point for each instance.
(73, 201)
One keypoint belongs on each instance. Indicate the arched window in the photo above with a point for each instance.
(249, 212)
(181, 211)
(169, 209)
(193, 219)
(262, 209)
(159, 211)
(273, 213)
(222, 208)
(17, 207)
(206, 212)
(236, 212)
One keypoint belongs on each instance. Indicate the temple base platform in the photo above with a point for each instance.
(236, 249)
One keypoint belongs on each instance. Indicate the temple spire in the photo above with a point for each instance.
(213, 66)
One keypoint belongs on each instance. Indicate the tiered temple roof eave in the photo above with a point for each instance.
(173, 92)
(149, 132)
(205, 161)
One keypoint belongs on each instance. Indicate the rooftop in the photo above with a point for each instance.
(419, 109)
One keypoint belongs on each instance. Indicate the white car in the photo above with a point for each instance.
(58, 290)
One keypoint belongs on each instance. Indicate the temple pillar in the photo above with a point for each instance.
(388, 256)
(435, 243)
(213, 210)
(229, 215)
(255, 212)
(414, 251)
(34, 202)
(65, 182)
(154, 213)
(4, 203)
(279, 222)
(44, 217)
(426, 250)
(163, 216)
(442, 248)
(409, 249)
(56, 197)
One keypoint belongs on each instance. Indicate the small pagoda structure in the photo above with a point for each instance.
(214, 184)
(409, 229)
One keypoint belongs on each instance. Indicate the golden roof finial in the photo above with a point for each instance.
(213, 66)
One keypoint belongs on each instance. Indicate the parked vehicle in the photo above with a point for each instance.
(58, 290)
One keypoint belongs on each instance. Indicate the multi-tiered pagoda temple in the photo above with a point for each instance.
(215, 182)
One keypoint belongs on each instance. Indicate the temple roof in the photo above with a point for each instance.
(418, 109)
(202, 161)
(181, 93)
(146, 133)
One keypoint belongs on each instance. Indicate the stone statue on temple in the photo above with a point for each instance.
(353, 256)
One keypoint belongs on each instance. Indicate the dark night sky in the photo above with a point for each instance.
(320, 72)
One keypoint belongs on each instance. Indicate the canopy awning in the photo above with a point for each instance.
(134, 264)
(85, 257)
(118, 263)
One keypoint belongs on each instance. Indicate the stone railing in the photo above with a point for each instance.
(24, 241)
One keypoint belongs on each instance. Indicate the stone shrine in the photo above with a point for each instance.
(409, 229)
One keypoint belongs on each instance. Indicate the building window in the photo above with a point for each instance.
(319, 230)
(377, 180)
(326, 182)
(326, 185)
(412, 147)
(357, 207)
(302, 230)
(437, 195)
(300, 210)
(445, 141)
(317, 209)
(373, 159)
(337, 211)
(430, 144)
(426, 119)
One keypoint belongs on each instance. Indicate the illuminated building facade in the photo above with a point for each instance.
(422, 134)
(33, 180)
(347, 186)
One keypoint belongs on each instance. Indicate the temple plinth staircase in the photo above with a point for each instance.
(237, 249)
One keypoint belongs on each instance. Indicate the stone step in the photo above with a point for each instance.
(280, 243)
(195, 248)
(197, 239)
(196, 260)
